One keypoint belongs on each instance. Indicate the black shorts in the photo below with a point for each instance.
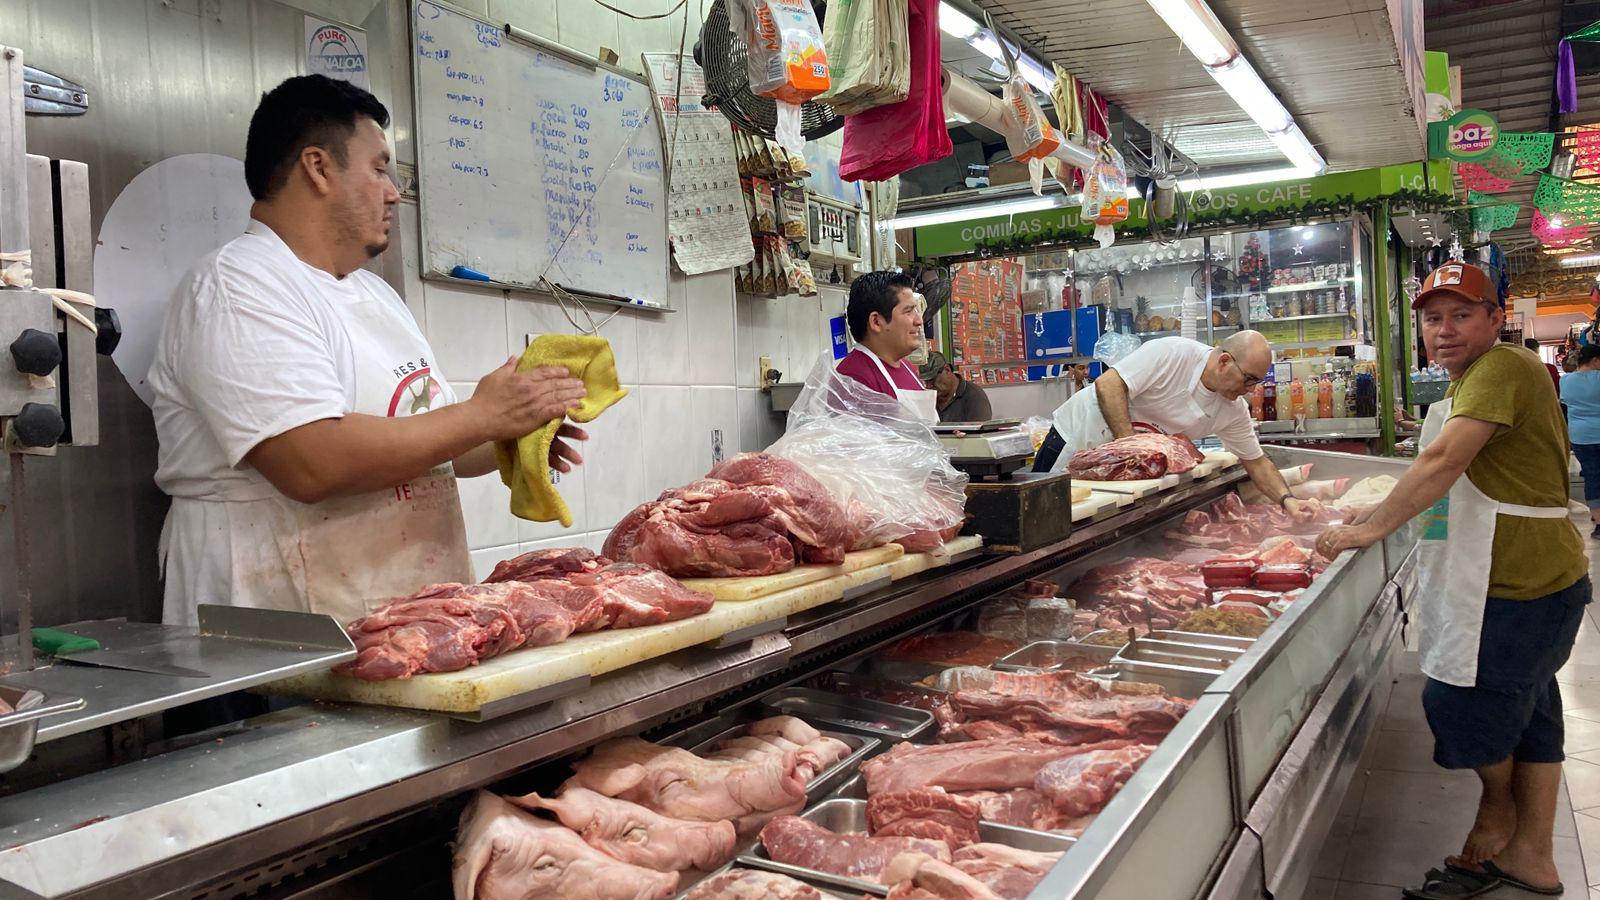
(1514, 710)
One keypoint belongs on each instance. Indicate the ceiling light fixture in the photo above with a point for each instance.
(1197, 27)
(1580, 259)
(982, 210)
(963, 27)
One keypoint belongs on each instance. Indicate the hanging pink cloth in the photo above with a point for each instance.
(882, 142)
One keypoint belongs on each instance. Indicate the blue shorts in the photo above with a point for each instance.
(1514, 710)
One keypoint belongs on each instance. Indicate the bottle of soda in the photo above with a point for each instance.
(1269, 401)
(1257, 397)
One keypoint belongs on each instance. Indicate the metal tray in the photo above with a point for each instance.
(1193, 656)
(849, 815)
(1208, 640)
(690, 880)
(992, 832)
(1177, 681)
(706, 737)
(1047, 655)
(19, 728)
(904, 671)
(853, 715)
(844, 681)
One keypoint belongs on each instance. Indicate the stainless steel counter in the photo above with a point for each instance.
(256, 799)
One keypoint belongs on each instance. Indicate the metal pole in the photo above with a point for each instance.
(1408, 346)
(1383, 328)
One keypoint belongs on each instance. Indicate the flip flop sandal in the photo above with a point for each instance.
(1494, 871)
(1453, 884)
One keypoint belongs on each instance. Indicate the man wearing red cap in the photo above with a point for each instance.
(1503, 582)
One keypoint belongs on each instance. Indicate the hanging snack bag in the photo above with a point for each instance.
(1034, 137)
(786, 59)
(1105, 192)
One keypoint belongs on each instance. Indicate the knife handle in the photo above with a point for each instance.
(54, 640)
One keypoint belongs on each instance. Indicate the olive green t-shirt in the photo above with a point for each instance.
(1525, 462)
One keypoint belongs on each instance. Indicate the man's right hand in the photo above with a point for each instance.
(513, 404)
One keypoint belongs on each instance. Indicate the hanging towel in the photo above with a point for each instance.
(525, 462)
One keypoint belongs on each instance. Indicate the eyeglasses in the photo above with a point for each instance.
(1249, 380)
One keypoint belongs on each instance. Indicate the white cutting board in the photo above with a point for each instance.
(749, 587)
(597, 653)
(1215, 461)
(1096, 503)
(1140, 488)
(914, 563)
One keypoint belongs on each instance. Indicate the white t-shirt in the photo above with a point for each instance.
(1164, 390)
(256, 343)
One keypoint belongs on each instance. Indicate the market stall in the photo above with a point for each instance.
(365, 795)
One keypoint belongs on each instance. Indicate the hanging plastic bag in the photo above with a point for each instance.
(1032, 138)
(1105, 192)
(887, 140)
(1112, 347)
(891, 474)
(868, 55)
(786, 59)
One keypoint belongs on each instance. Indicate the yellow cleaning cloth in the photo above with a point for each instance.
(525, 462)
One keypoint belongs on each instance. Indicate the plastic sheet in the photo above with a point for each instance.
(891, 474)
(1112, 347)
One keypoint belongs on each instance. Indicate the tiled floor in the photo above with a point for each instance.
(1403, 814)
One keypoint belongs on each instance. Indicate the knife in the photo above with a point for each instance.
(74, 648)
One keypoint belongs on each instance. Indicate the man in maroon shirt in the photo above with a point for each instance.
(1555, 373)
(883, 319)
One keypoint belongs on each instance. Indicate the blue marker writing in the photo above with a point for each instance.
(468, 274)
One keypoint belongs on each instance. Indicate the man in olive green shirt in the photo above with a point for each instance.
(1492, 476)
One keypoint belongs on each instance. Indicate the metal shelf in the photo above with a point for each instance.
(1306, 286)
(1337, 315)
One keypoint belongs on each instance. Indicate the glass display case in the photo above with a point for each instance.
(1301, 286)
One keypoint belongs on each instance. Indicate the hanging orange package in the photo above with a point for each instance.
(787, 60)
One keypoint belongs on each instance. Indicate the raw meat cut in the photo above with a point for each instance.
(1008, 871)
(678, 784)
(951, 648)
(630, 833)
(1082, 785)
(1022, 807)
(929, 813)
(1135, 458)
(447, 627)
(632, 595)
(799, 842)
(806, 508)
(547, 564)
(1069, 721)
(814, 752)
(749, 884)
(755, 514)
(917, 876)
(997, 765)
(504, 853)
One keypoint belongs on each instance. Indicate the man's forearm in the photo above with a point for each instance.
(1112, 395)
(1430, 478)
(1266, 477)
(480, 460)
(358, 454)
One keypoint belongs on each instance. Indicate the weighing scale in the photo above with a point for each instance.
(995, 448)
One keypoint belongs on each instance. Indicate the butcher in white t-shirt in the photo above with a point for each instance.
(1177, 386)
(307, 437)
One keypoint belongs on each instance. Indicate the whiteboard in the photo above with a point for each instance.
(534, 163)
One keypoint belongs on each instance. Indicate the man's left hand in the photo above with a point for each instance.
(1339, 538)
(563, 456)
(1302, 510)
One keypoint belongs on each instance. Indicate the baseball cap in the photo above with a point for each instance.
(1466, 281)
(935, 364)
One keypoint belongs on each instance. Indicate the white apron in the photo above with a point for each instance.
(1453, 559)
(1082, 426)
(915, 406)
(343, 556)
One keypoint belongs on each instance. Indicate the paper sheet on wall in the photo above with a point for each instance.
(706, 217)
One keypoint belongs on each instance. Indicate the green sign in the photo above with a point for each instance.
(959, 238)
(1468, 136)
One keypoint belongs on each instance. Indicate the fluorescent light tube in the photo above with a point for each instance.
(1252, 95)
(1580, 259)
(956, 23)
(1033, 72)
(1294, 144)
(978, 211)
(1198, 28)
